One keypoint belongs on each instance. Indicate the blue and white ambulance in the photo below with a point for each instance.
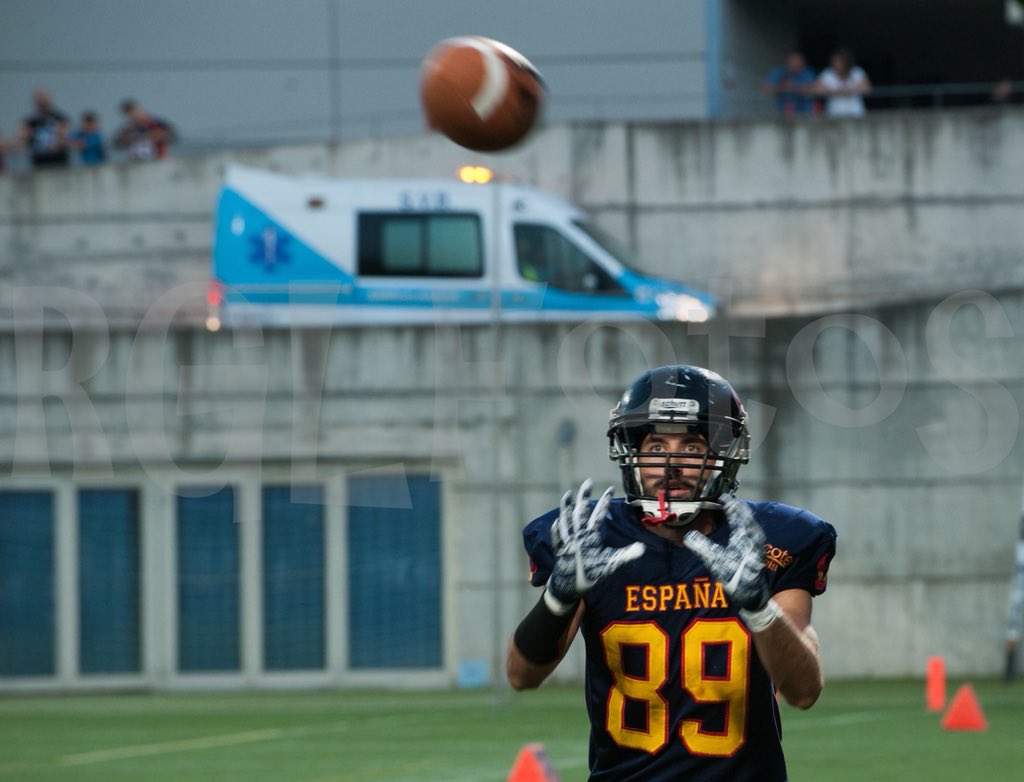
(314, 251)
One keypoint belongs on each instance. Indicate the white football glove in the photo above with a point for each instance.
(739, 566)
(581, 559)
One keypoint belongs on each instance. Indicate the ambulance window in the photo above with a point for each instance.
(609, 244)
(545, 255)
(420, 245)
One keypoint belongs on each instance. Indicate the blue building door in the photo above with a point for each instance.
(394, 567)
(109, 581)
(209, 612)
(27, 595)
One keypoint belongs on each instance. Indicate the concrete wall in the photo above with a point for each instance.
(775, 216)
(875, 334)
(827, 214)
(900, 426)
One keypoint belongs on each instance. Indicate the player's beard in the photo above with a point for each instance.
(674, 485)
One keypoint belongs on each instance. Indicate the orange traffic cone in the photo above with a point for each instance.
(935, 684)
(964, 712)
(532, 766)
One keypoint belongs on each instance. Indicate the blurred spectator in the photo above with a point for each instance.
(144, 136)
(88, 140)
(1003, 93)
(45, 133)
(843, 84)
(790, 83)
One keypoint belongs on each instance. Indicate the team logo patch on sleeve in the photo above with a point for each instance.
(776, 558)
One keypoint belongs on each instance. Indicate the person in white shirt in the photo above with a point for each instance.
(843, 84)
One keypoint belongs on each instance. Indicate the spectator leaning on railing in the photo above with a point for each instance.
(143, 136)
(88, 140)
(45, 133)
(843, 84)
(1003, 93)
(791, 84)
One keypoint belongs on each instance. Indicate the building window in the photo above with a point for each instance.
(27, 634)
(293, 578)
(108, 581)
(208, 582)
(394, 566)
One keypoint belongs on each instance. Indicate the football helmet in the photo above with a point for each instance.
(679, 399)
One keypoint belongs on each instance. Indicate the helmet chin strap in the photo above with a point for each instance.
(669, 513)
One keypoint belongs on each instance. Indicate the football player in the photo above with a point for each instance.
(694, 604)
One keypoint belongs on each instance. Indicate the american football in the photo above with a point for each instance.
(480, 93)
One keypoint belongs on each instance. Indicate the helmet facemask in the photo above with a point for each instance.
(677, 401)
(705, 475)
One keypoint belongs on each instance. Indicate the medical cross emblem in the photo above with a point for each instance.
(270, 247)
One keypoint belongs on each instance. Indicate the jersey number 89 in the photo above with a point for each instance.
(729, 689)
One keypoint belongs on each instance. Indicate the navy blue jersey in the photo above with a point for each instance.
(674, 688)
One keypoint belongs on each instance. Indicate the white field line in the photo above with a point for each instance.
(201, 742)
(272, 734)
(854, 718)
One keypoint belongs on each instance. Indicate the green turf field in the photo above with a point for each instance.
(863, 731)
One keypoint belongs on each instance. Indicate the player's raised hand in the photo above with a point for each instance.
(739, 566)
(581, 558)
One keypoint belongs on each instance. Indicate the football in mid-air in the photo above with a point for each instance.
(480, 93)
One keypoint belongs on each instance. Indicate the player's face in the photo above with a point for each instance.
(674, 464)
